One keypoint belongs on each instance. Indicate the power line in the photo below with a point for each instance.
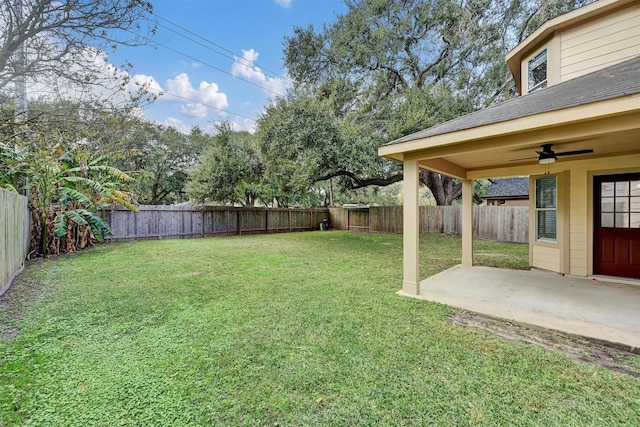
(220, 69)
(212, 66)
(235, 57)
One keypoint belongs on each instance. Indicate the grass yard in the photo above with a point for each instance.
(287, 329)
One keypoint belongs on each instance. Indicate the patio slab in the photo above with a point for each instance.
(592, 308)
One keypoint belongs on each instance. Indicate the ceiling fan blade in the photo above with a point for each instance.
(523, 158)
(572, 153)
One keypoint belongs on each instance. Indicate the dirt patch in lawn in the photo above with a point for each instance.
(575, 347)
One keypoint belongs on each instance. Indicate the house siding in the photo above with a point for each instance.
(606, 41)
(579, 221)
(572, 253)
(546, 258)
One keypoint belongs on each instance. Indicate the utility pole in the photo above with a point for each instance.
(21, 115)
(21, 78)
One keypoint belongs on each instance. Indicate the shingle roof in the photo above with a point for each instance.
(508, 187)
(612, 82)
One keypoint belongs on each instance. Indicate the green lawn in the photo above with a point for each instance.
(289, 329)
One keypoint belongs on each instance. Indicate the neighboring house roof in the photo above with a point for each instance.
(508, 188)
(616, 81)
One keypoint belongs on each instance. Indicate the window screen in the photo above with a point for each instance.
(546, 208)
(537, 72)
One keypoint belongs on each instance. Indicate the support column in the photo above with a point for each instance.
(467, 223)
(411, 229)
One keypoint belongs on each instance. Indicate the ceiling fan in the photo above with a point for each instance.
(547, 155)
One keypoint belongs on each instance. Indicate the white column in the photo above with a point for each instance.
(467, 223)
(411, 229)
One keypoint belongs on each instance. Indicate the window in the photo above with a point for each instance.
(620, 204)
(537, 71)
(546, 209)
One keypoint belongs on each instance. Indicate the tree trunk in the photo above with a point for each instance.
(444, 189)
(330, 192)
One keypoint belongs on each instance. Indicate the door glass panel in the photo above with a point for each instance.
(606, 189)
(622, 204)
(622, 188)
(606, 205)
(622, 220)
(606, 220)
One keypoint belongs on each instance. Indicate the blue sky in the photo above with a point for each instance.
(195, 79)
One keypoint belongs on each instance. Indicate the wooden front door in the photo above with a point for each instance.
(616, 240)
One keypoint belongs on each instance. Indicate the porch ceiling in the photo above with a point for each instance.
(607, 144)
(509, 148)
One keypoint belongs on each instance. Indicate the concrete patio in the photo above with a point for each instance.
(594, 308)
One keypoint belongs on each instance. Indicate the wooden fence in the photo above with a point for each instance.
(499, 223)
(168, 222)
(14, 236)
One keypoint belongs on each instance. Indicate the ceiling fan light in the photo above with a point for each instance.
(546, 160)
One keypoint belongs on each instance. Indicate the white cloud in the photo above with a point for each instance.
(142, 82)
(107, 81)
(244, 67)
(243, 123)
(178, 124)
(194, 110)
(180, 87)
(283, 3)
(198, 101)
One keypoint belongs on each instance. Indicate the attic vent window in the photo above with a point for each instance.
(537, 71)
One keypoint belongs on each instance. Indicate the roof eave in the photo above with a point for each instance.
(581, 113)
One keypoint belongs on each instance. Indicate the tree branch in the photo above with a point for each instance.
(355, 182)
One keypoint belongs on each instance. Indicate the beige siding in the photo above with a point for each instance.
(578, 222)
(606, 41)
(546, 258)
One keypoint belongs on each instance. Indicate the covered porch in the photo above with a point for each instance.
(576, 141)
(601, 308)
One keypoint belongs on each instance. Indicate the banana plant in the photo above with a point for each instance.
(67, 188)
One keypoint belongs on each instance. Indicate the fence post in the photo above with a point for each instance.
(159, 233)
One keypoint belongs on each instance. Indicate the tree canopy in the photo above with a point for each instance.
(230, 171)
(387, 68)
